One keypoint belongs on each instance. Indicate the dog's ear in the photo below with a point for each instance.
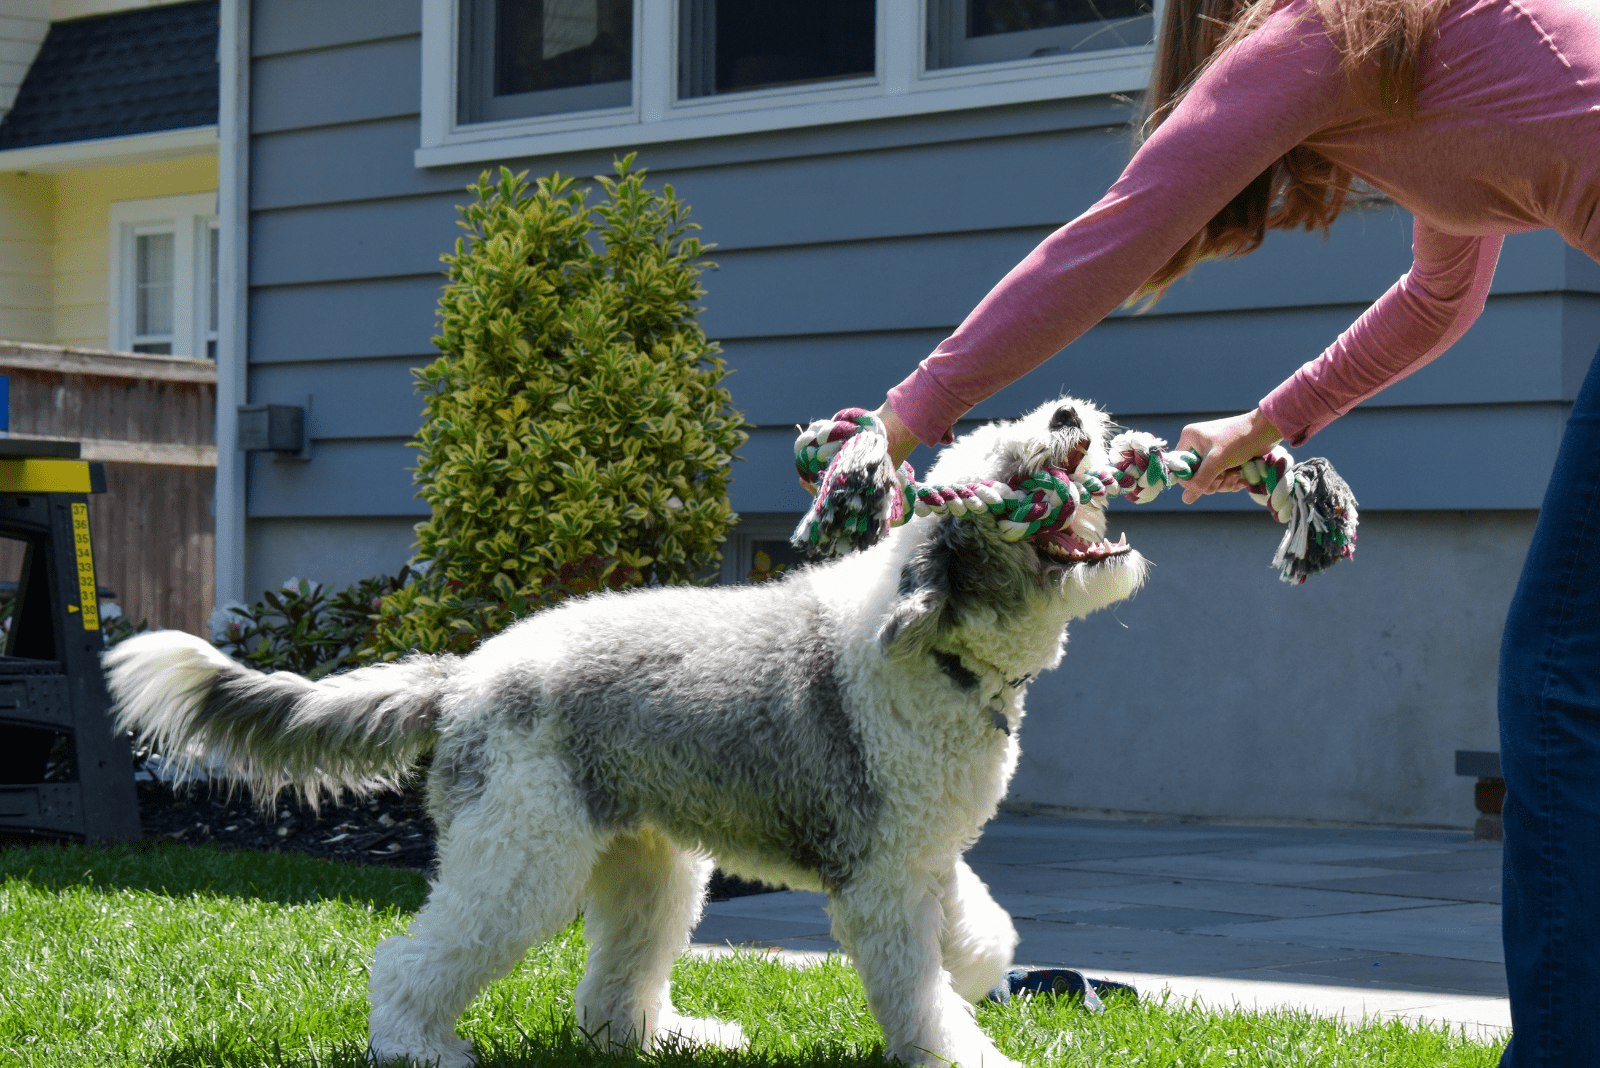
(964, 565)
(917, 615)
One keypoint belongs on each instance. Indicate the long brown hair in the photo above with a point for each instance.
(1381, 42)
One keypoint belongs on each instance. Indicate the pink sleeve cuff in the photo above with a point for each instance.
(1296, 411)
(926, 408)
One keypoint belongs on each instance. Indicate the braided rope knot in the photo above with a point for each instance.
(844, 462)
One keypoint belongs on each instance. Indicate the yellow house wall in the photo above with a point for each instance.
(27, 205)
(82, 235)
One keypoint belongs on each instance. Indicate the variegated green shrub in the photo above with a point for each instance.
(577, 412)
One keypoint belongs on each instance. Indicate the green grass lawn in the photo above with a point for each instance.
(173, 955)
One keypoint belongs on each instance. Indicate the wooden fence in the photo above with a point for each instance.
(151, 421)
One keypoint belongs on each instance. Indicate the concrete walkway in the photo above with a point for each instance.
(1345, 923)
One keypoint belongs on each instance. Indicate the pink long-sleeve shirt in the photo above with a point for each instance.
(1505, 138)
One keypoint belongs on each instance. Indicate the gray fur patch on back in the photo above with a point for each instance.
(740, 740)
(458, 774)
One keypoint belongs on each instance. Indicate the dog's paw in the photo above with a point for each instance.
(974, 1056)
(990, 1058)
(450, 1053)
(726, 1034)
(1000, 1060)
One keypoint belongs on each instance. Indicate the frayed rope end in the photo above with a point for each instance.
(1322, 524)
(858, 495)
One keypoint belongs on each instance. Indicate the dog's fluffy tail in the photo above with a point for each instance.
(355, 732)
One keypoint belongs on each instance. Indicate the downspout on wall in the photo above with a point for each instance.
(233, 297)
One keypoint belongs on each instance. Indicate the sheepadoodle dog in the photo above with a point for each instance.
(848, 728)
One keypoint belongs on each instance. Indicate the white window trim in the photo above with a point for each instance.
(903, 86)
(190, 217)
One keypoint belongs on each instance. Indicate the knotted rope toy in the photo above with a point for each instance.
(844, 462)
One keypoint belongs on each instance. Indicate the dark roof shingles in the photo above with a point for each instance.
(153, 68)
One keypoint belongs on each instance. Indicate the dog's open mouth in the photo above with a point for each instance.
(1066, 547)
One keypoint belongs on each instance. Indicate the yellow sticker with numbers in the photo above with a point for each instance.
(86, 587)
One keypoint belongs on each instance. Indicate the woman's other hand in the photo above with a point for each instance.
(1225, 444)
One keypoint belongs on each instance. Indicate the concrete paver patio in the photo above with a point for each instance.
(1339, 922)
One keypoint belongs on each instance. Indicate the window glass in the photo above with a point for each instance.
(542, 57)
(731, 45)
(153, 293)
(554, 44)
(965, 32)
(212, 246)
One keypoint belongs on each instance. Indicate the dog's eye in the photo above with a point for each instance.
(1065, 416)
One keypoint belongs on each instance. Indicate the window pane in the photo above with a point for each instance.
(992, 31)
(154, 348)
(986, 17)
(557, 44)
(731, 45)
(211, 279)
(153, 265)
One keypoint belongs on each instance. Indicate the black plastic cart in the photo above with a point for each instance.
(64, 772)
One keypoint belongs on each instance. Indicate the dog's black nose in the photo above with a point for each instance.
(1065, 416)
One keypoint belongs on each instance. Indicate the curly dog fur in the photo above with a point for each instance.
(849, 728)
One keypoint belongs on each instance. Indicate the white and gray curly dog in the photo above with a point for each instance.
(849, 728)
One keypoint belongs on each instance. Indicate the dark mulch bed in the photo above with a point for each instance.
(391, 829)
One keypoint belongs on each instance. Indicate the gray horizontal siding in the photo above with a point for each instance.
(390, 317)
(342, 478)
(1037, 179)
(335, 550)
(349, 398)
(340, 164)
(372, 239)
(370, 80)
(304, 25)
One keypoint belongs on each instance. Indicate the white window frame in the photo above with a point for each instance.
(190, 218)
(903, 85)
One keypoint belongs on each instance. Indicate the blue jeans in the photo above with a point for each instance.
(1550, 755)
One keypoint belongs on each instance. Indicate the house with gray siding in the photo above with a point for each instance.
(867, 174)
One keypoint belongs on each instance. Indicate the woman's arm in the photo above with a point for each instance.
(1421, 316)
(1260, 99)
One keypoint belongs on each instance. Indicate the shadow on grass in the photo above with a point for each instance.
(182, 871)
(562, 1047)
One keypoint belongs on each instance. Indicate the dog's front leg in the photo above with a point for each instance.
(891, 926)
(979, 937)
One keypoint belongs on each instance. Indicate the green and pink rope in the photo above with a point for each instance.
(845, 462)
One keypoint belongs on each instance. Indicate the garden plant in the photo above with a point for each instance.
(576, 418)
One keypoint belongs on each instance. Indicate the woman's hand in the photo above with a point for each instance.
(1225, 444)
(901, 440)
